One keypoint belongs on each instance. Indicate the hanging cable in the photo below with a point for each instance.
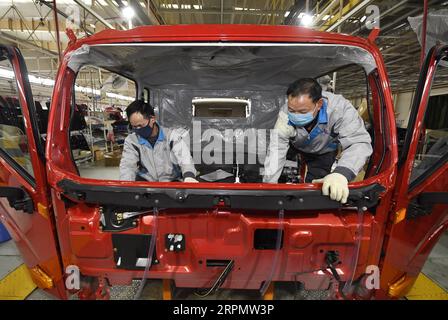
(358, 238)
(218, 283)
(332, 260)
(264, 287)
(152, 246)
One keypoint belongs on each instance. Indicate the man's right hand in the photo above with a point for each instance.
(335, 185)
(284, 129)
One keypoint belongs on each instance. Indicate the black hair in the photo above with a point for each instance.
(307, 86)
(140, 106)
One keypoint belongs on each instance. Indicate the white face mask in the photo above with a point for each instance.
(301, 120)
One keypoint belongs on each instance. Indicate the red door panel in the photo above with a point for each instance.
(420, 214)
(29, 217)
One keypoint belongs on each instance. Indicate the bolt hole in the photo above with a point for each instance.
(321, 251)
(200, 261)
(83, 228)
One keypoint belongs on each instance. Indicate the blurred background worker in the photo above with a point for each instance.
(315, 123)
(154, 153)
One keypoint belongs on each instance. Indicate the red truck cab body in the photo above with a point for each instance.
(55, 215)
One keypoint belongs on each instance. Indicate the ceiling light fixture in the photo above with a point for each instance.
(306, 20)
(128, 13)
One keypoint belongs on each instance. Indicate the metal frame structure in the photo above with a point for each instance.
(397, 42)
(71, 215)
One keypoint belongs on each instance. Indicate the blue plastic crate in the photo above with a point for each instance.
(4, 235)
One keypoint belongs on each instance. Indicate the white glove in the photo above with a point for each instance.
(189, 179)
(335, 185)
(283, 127)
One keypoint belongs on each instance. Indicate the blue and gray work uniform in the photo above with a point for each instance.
(338, 123)
(169, 159)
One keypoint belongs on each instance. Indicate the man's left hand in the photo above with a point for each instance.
(335, 185)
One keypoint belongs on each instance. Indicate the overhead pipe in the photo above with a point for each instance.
(424, 25)
(292, 12)
(326, 10)
(217, 11)
(141, 16)
(56, 25)
(93, 13)
(222, 11)
(26, 43)
(397, 21)
(383, 14)
(49, 5)
(139, 12)
(349, 14)
(153, 13)
(115, 10)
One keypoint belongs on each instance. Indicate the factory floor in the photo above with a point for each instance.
(15, 282)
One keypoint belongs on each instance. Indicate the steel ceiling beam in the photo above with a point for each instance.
(140, 15)
(243, 12)
(384, 14)
(326, 11)
(93, 13)
(226, 12)
(27, 44)
(56, 24)
(352, 8)
(111, 6)
(61, 13)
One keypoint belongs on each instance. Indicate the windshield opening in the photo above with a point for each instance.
(209, 112)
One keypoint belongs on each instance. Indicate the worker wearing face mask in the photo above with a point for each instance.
(316, 123)
(152, 152)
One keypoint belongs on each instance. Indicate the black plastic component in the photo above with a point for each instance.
(296, 200)
(220, 280)
(266, 239)
(332, 259)
(18, 198)
(423, 204)
(175, 242)
(112, 219)
(217, 263)
(128, 248)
